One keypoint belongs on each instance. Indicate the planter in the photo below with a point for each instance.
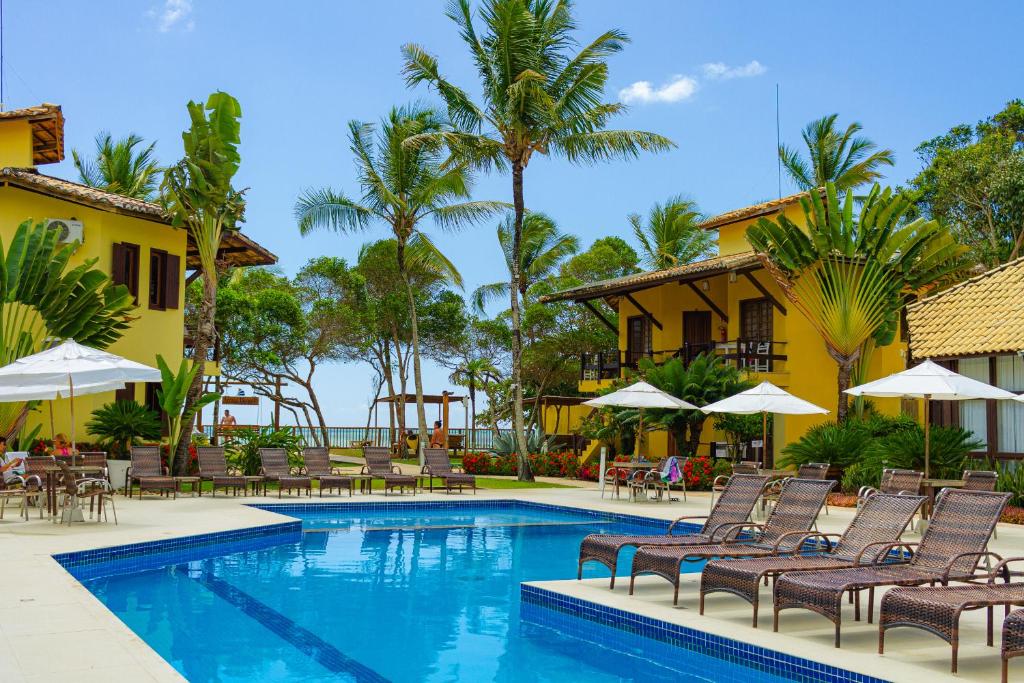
(117, 469)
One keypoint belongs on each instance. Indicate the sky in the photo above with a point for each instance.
(703, 74)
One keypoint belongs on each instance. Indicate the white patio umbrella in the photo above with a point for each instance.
(930, 382)
(70, 368)
(764, 398)
(640, 395)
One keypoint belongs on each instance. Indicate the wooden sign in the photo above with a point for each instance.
(240, 400)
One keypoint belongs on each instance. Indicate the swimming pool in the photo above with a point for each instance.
(375, 592)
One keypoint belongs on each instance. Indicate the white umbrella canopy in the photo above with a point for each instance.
(931, 382)
(764, 398)
(640, 395)
(66, 369)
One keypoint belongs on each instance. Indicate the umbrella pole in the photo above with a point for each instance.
(927, 435)
(764, 438)
(639, 436)
(52, 432)
(71, 395)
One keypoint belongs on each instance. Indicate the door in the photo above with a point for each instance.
(756, 334)
(696, 333)
(638, 339)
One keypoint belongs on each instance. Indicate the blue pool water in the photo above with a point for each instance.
(388, 594)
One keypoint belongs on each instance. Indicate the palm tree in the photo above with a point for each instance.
(849, 275)
(120, 168)
(672, 235)
(401, 184)
(538, 98)
(543, 250)
(473, 374)
(839, 157)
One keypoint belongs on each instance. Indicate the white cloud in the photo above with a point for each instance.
(174, 13)
(678, 88)
(720, 70)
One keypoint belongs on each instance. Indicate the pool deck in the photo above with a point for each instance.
(51, 625)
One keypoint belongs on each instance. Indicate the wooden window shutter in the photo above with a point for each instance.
(117, 273)
(172, 274)
(126, 394)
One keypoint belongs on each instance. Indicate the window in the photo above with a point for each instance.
(125, 267)
(755, 343)
(974, 414)
(164, 273)
(1010, 415)
(638, 339)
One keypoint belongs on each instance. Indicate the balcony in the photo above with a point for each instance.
(745, 354)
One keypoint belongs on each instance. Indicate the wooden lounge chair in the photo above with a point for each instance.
(275, 467)
(1013, 640)
(439, 465)
(213, 467)
(733, 506)
(379, 466)
(787, 525)
(937, 609)
(148, 472)
(318, 466)
(882, 519)
(950, 550)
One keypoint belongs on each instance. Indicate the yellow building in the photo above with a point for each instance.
(731, 306)
(132, 241)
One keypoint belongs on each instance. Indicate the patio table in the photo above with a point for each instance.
(196, 483)
(931, 489)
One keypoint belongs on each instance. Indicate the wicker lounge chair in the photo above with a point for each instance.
(439, 465)
(787, 525)
(882, 519)
(738, 467)
(275, 467)
(379, 466)
(980, 480)
(97, 490)
(147, 470)
(894, 481)
(318, 466)
(213, 467)
(937, 609)
(810, 470)
(1013, 640)
(733, 506)
(950, 550)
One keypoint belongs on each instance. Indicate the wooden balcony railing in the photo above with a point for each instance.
(745, 354)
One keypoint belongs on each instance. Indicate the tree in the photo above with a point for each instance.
(840, 157)
(198, 194)
(538, 98)
(543, 249)
(173, 398)
(401, 185)
(973, 181)
(672, 235)
(42, 299)
(849, 275)
(474, 374)
(607, 258)
(119, 167)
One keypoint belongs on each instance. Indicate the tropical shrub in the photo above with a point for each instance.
(1011, 480)
(536, 442)
(840, 444)
(242, 447)
(123, 424)
(172, 395)
(949, 452)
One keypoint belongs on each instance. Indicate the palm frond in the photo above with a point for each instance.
(325, 209)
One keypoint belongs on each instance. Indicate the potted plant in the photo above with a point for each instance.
(118, 426)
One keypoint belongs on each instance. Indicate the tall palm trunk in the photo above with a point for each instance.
(518, 421)
(471, 437)
(846, 364)
(421, 413)
(206, 332)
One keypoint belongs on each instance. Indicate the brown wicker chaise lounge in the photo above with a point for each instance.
(789, 522)
(379, 466)
(937, 609)
(881, 519)
(276, 468)
(148, 471)
(950, 550)
(437, 464)
(734, 505)
(213, 467)
(893, 481)
(318, 466)
(1013, 640)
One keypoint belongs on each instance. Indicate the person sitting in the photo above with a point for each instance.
(61, 446)
(7, 468)
(437, 437)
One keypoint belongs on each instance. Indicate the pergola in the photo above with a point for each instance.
(441, 400)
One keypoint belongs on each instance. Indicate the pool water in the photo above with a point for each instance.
(428, 595)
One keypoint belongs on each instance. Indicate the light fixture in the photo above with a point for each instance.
(705, 285)
(732, 276)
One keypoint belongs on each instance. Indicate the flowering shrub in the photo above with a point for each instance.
(699, 472)
(590, 472)
(192, 469)
(45, 447)
(1013, 515)
(564, 464)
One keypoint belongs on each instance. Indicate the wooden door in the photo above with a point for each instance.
(638, 339)
(696, 333)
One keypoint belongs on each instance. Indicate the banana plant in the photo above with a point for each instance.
(174, 388)
(850, 274)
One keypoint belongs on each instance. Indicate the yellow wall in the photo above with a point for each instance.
(16, 144)
(153, 332)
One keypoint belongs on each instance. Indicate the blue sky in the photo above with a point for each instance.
(907, 71)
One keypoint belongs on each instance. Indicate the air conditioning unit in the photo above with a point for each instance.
(69, 230)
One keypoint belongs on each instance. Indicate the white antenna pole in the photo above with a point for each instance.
(778, 139)
(1, 55)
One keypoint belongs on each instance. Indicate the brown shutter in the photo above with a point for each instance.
(117, 273)
(172, 273)
(133, 276)
(126, 394)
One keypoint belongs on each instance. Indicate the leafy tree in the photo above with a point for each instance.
(973, 181)
(401, 185)
(672, 235)
(538, 98)
(834, 156)
(123, 424)
(849, 274)
(198, 193)
(474, 374)
(119, 167)
(173, 398)
(607, 258)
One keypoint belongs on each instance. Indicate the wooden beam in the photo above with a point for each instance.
(600, 316)
(648, 314)
(764, 291)
(711, 304)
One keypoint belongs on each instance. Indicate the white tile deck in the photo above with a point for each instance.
(51, 625)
